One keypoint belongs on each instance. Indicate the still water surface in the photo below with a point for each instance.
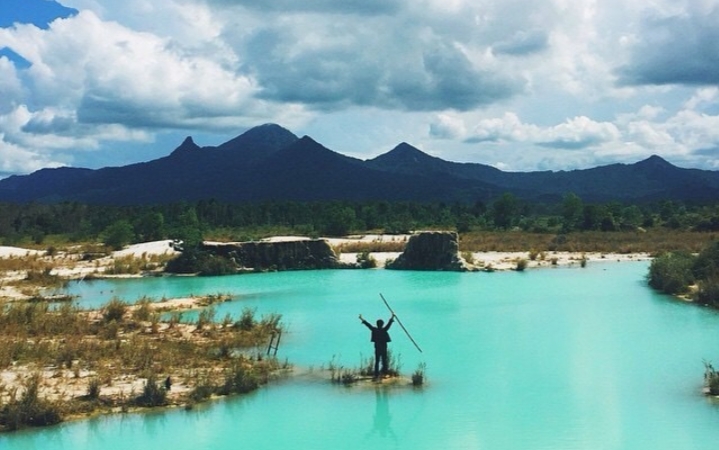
(546, 359)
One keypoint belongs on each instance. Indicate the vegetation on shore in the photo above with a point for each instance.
(74, 362)
(340, 374)
(506, 224)
(63, 224)
(694, 276)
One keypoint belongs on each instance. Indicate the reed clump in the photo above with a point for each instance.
(340, 374)
(419, 375)
(711, 379)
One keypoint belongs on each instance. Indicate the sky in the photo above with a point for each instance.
(520, 85)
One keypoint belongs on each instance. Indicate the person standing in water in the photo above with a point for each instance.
(380, 338)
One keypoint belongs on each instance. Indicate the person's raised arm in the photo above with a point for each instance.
(390, 322)
(364, 322)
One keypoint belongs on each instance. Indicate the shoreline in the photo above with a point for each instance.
(69, 385)
(73, 266)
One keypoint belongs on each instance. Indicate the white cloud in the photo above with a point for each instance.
(579, 133)
(447, 126)
(10, 84)
(703, 97)
(21, 159)
(92, 80)
(576, 133)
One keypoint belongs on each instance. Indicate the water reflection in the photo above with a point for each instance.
(382, 420)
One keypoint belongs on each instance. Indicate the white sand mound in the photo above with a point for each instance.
(147, 248)
(11, 252)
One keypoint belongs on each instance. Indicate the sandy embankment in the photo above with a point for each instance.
(487, 260)
(72, 267)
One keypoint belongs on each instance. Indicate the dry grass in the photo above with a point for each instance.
(371, 247)
(653, 241)
(35, 263)
(131, 265)
(110, 350)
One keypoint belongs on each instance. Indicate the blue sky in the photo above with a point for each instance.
(516, 84)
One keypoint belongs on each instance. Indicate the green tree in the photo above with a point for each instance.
(338, 221)
(671, 273)
(505, 210)
(150, 226)
(572, 212)
(706, 264)
(118, 234)
(632, 217)
(188, 229)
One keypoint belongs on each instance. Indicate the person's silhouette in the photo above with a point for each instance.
(380, 338)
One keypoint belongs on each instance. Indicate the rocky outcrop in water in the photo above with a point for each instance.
(431, 250)
(286, 255)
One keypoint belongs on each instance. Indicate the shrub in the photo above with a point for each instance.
(29, 410)
(247, 319)
(114, 310)
(711, 378)
(143, 310)
(419, 375)
(521, 265)
(93, 389)
(394, 365)
(271, 321)
(706, 263)
(671, 273)
(708, 292)
(468, 257)
(239, 380)
(217, 265)
(118, 234)
(366, 261)
(202, 390)
(193, 260)
(153, 394)
(206, 317)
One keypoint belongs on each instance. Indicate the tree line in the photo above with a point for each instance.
(192, 221)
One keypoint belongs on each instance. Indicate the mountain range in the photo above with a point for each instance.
(269, 162)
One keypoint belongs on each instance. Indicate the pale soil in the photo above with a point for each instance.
(59, 383)
(69, 265)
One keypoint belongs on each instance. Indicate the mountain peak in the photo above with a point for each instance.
(403, 155)
(268, 138)
(655, 162)
(187, 146)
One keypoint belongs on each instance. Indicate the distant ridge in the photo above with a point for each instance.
(269, 162)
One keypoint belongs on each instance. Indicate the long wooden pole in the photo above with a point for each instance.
(399, 322)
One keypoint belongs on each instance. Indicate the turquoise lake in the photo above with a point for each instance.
(563, 358)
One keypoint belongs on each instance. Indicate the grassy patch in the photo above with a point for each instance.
(89, 357)
(654, 241)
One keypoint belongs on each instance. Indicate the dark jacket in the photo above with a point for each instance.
(380, 336)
